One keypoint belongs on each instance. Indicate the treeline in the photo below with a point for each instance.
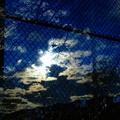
(77, 110)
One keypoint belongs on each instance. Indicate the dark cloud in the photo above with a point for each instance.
(12, 82)
(55, 70)
(12, 104)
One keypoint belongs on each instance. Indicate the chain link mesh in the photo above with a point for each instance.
(101, 17)
(45, 65)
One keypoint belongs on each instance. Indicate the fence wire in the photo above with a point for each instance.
(58, 52)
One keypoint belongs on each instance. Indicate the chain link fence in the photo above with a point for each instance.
(58, 52)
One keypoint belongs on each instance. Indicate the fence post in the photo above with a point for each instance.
(2, 11)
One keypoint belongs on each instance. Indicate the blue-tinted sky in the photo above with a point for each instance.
(43, 66)
(101, 17)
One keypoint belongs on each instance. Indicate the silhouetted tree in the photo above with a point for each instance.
(105, 79)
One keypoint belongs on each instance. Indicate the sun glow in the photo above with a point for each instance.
(48, 59)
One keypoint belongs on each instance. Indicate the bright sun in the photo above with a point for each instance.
(48, 59)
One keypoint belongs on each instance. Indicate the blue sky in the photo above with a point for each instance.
(101, 17)
(37, 58)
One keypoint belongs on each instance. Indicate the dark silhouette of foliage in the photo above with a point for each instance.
(70, 111)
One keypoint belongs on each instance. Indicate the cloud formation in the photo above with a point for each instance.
(70, 60)
(21, 49)
(12, 104)
(84, 97)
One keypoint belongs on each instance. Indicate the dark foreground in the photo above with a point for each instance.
(78, 110)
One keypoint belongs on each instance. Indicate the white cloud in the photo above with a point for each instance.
(10, 29)
(29, 9)
(87, 30)
(86, 53)
(19, 61)
(15, 92)
(9, 69)
(21, 49)
(72, 55)
(84, 80)
(59, 42)
(101, 45)
(76, 72)
(49, 13)
(103, 58)
(15, 48)
(53, 15)
(71, 43)
(84, 97)
(33, 74)
(35, 87)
